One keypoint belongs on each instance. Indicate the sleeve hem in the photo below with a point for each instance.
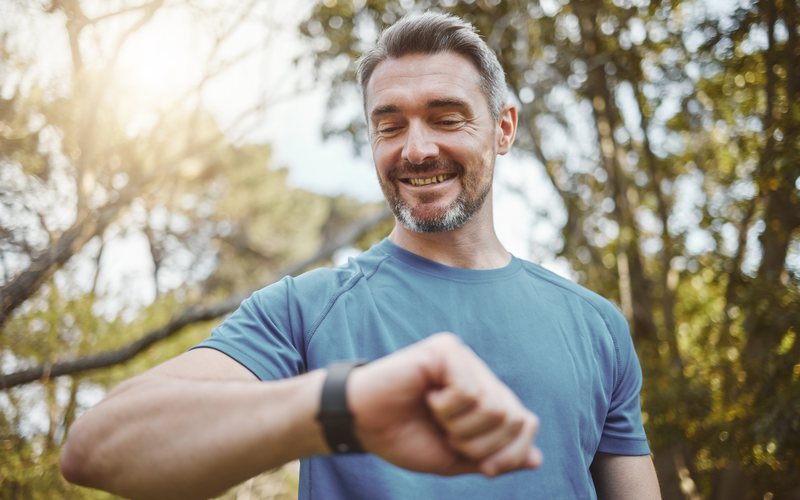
(240, 357)
(617, 446)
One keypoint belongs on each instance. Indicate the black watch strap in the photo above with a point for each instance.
(334, 414)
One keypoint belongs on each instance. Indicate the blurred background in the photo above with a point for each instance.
(161, 159)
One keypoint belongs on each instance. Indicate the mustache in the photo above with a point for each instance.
(406, 169)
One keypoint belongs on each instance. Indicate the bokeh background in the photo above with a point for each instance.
(161, 159)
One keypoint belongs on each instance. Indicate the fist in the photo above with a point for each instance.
(436, 407)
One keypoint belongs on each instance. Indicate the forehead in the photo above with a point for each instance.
(419, 78)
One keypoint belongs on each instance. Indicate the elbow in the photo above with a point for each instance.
(78, 461)
(73, 463)
(87, 456)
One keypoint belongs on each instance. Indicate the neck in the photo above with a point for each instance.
(472, 246)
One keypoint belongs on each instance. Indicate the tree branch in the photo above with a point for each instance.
(42, 267)
(189, 316)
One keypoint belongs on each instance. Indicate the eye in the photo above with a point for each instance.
(450, 121)
(388, 127)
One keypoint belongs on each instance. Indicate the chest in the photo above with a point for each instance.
(550, 349)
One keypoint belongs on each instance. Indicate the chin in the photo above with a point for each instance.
(448, 219)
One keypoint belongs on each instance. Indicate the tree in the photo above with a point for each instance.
(669, 132)
(98, 170)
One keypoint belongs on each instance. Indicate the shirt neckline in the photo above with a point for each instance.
(427, 266)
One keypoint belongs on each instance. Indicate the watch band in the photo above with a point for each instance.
(334, 414)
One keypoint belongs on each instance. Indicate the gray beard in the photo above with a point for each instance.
(457, 214)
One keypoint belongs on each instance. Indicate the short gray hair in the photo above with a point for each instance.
(432, 33)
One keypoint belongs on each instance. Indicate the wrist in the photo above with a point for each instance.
(312, 439)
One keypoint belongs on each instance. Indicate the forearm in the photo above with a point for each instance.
(162, 436)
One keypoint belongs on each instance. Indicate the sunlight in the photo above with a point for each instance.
(164, 59)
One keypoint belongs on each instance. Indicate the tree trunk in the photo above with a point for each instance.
(635, 287)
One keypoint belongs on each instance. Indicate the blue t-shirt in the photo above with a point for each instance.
(565, 352)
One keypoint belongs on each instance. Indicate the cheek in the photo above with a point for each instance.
(379, 157)
(385, 155)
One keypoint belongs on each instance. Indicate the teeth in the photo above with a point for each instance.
(430, 180)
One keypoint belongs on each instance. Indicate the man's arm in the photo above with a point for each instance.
(202, 423)
(192, 427)
(625, 477)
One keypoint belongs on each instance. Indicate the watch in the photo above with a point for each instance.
(334, 414)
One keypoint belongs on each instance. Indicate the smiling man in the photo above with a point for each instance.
(432, 414)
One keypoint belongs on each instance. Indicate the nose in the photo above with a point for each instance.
(419, 145)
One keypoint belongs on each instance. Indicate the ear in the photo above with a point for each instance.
(506, 128)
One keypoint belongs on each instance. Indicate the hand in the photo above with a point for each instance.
(436, 407)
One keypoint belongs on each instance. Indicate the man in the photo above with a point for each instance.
(428, 405)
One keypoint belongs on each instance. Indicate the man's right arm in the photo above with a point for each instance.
(193, 427)
(202, 423)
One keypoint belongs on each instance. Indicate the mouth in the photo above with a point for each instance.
(424, 181)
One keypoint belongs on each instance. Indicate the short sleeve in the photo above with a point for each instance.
(623, 431)
(259, 334)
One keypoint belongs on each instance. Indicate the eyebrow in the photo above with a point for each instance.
(447, 102)
(386, 109)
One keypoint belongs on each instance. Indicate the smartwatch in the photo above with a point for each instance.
(334, 415)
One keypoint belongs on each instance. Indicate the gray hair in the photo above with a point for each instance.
(431, 33)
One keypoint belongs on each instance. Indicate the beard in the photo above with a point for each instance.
(469, 201)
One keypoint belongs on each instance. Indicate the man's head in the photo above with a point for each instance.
(431, 33)
(434, 98)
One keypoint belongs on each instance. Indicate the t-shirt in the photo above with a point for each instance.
(565, 352)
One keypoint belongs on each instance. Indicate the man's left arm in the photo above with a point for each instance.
(625, 477)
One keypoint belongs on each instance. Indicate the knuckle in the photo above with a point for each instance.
(516, 423)
(447, 339)
(470, 395)
(494, 416)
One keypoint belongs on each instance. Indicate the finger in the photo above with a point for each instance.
(534, 459)
(483, 445)
(477, 421)
(518, 454)
(507, 461)
(451, 402)
(461, 466)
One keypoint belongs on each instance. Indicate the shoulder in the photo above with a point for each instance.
(623, 356)
(315, 290)
(606, 315)
(607, 310)
(333, 280)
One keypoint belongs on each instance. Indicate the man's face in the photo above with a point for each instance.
(433, 138)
